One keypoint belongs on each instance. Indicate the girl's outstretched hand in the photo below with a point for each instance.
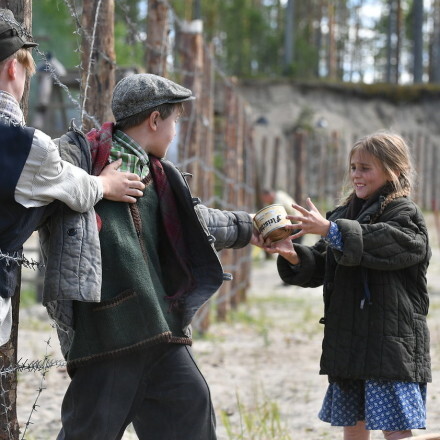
(284, 248)
(309, 221)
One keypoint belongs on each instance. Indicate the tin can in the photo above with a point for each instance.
(271, 222)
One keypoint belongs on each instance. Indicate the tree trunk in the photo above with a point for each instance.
(434, 61)
(157, 37)
(318, 38)
(390, 31)
(398, 41)
(9, 429)
(197, 10)
(332, 61)
(98, 62)
(418, 41)
(190, 47)
(289, 37)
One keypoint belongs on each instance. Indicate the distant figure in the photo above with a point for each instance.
(45, 70)
(270, 197)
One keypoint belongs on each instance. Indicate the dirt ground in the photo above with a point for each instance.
(262, 365)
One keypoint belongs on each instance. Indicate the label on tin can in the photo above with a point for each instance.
(271, 220)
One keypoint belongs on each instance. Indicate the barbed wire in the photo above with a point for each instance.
(229, 180)
(6, 410)
(175, 23)
(42, 366)
(90, 60)
(132, 26)
(32, 366)
(20, 259)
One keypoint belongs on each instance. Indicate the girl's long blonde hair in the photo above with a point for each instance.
(393, 153)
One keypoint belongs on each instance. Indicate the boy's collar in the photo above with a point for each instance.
(10, 108)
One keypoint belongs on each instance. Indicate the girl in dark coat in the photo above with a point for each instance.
(372, 260)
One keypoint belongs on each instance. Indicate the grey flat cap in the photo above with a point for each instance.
(143, 91)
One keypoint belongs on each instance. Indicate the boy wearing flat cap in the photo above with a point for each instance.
(32, 174)
(130, 358)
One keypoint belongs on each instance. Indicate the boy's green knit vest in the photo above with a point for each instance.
(133, 312)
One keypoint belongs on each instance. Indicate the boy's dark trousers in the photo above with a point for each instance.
(160, 390)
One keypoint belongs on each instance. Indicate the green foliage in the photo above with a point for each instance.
(306, 60)
(53, 28)
(252, 44)
(28, 297)
(248, 36)
(129, 52)
(130, 33)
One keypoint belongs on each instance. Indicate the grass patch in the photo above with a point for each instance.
(288, 313)
(35, 324)
(28, 297)
(259, 421)
(292, 313)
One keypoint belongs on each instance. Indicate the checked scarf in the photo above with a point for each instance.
(100, 146)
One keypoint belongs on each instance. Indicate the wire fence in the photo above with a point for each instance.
(315, 164)
(215, 143)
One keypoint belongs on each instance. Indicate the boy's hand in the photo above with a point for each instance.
(120, 186)
(256, 238)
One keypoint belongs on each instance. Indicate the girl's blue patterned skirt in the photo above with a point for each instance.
(384, 405)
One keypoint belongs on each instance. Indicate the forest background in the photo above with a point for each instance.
(386, 41)
(385, 51)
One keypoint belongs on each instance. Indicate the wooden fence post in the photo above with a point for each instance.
(250, 178)
(233, 134)
(158, 29)
(245, 201)
(190, 48)
(227, 258)
(240, 293)
(263, 163)
(419, 162)
(322, 170)
(425, 180)
(275, 158)
(300, 157)
(435, 190)
(334, 167)
(98, 62)
(205, 178)
(9, 428)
